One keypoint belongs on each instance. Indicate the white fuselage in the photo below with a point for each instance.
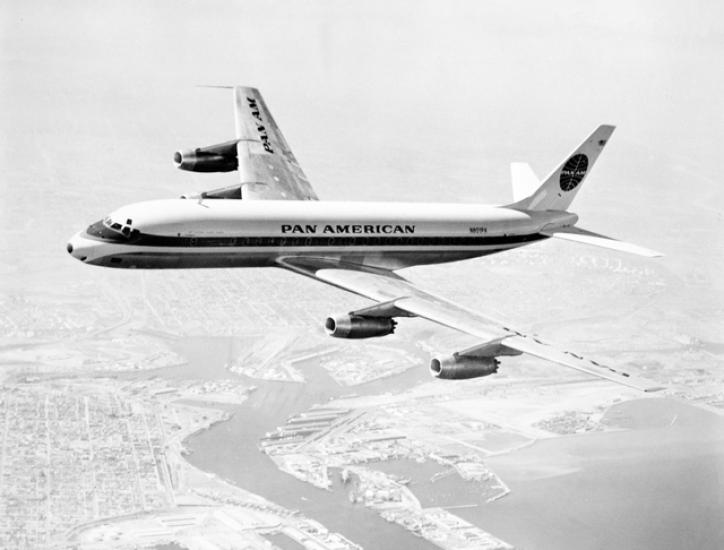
(184, 233)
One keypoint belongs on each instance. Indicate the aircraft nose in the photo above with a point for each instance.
(79, 248)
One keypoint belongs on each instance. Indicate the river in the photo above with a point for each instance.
(656, 484)
(229, 449)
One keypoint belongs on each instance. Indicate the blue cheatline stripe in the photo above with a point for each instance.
(141, 239)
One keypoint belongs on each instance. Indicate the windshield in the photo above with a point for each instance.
(112, 230)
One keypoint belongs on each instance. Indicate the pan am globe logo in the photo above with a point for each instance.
(573, 172)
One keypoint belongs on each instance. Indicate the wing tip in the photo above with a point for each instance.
(215, 86)
(239, 87)
(245, 89)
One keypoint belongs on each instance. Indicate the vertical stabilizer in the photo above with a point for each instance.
(559, 189)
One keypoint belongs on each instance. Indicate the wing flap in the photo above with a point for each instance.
(538, 348)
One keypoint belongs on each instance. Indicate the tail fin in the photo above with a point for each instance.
(559, 189)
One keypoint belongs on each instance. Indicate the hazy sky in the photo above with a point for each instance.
(380, 100)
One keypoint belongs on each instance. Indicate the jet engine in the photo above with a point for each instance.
(194, 160)
(214, 158)
(357, 326)
(460, 367)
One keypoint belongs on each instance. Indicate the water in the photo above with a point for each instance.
(656, 485)
(282, 541)
(169, 546)
(229, 449)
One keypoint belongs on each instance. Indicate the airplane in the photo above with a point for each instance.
(272, 218)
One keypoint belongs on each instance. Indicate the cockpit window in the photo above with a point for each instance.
(110, 230)
(124, 229)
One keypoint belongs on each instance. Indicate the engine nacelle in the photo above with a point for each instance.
(197, 160)
(460, 367)
(356, 326)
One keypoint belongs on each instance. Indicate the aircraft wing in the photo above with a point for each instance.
(267, 166)
(398, 297)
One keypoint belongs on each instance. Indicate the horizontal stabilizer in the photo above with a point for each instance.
(523, 179)
(588, 237)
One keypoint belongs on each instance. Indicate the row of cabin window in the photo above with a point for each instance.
(312, 241)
